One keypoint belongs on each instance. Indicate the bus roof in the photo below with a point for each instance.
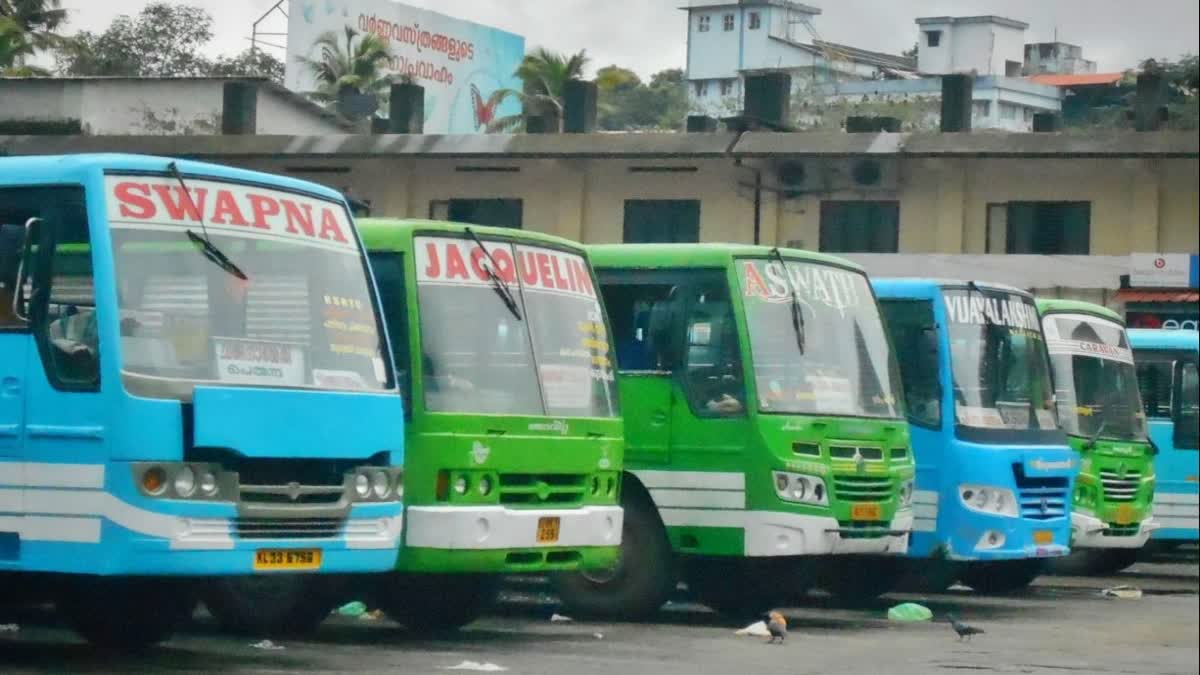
(901, 287)
(1057, 305)
(59, 168)
(392, 233)
(650, 256)
(1157, 338)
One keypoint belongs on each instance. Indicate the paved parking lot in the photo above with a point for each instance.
(1061, 625)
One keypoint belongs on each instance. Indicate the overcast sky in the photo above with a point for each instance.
(650, 35)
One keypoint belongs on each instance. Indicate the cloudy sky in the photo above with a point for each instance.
(650, 35)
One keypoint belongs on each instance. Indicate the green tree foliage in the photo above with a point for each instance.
(164, 40)
(250, 63)
(355, 65)
(37, 20)
(544, 75)
(627, 104)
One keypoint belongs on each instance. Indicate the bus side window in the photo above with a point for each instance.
(12, 245)
(1186, 408)
(1154, 379)
(388, 268)
(713, 375)
(915, 340)
(642, 317)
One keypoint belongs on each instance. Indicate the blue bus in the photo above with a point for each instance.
(185, 350)
(1166, 362)
(994, 471)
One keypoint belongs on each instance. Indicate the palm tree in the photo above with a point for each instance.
(544, 75)
(15, 48)
(358, 65)
(36, 19)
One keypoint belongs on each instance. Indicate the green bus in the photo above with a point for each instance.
(766, 446)
(514, 438)
(1100, 409)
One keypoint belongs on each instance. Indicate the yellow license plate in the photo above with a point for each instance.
(547, 532)
(866, 512)
(289, 559)
(1124, 514)
(1043, 536)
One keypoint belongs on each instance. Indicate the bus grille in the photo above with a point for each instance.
(535, 489)
(862, 488)
(1118, 488)
(866, 529)
(287, 528)
(1041, 498)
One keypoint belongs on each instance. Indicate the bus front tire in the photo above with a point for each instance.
(435, 603)
(644, 576)
(274, 605)
(1002, 576)
(125, 613)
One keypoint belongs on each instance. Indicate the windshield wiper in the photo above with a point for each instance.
(498, 284)
(1091, 442)
(203, 243)
(797, 312)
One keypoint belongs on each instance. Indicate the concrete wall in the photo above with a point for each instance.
(116, 106)
(1136, 205)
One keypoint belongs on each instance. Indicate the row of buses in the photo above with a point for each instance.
(215, 386)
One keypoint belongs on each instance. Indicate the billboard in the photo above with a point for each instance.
(459, 63)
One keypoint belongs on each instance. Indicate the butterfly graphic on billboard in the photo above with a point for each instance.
(485, 111)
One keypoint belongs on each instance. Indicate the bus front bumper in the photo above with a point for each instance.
(1088, 531)
(478, 528)
(775, 533)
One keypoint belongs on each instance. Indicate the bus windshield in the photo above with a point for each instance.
(1096, 382)
(293, 310)
(818, 344)
(547, 354)
(998, 355)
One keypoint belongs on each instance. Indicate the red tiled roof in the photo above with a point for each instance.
(1157, 295)
(1056, 80)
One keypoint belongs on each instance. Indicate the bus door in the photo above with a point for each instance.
(915, 339)
(14, 341)
(1166, 383)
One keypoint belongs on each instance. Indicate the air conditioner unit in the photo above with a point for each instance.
(794, 177)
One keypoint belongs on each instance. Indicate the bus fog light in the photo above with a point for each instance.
(185, 482)
(154, 480)
(460, 485)
(362, 485)
(208, 483)
(380, 486)
(990, 539)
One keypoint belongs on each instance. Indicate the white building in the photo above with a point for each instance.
(168, 106)
(731, 38)
(1058, 58)
(983, 45)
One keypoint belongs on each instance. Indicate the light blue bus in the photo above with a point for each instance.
(187, 353)
(994, 472)
(1166, 362)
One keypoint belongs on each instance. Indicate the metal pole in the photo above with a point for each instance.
(254, 31)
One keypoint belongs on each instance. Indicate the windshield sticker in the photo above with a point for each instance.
(981, 310)
(350, 326)
(462, 262)
(1088, 348)
(258, 362)
(338, 379)
(1046, 419)
(566, 386)
(830, 286)
(983, 418)
(154, 203)
(831, 394)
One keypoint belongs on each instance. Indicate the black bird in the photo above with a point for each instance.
(963, 630)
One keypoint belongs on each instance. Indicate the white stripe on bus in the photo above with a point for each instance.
(926, 497)
(924, 525)
(1176, 498)
(928, 511)
(707, 480)
(713, 499)
(46, 474)
(703, 518)
(1176, 510)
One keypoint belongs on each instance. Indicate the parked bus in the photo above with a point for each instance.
(766, 448)
(514, 446)
(994, 471)
(1100, 410)
(184, 350)
(1166, 362)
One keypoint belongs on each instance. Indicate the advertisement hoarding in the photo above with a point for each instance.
(459, 63)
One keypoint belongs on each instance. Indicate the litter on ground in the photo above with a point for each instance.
(909, 611)
(559, 618)
(756, 629)
(267, 645)
(475, 665)
(1122, 592)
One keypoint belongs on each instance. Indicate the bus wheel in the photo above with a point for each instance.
(644, 576)
(285, 604)
(126, 613)
(435, 603)
(856, 580)
(1002, 576)
(746, 588)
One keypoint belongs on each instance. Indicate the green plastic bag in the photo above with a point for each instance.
(910, 611)
(352, 609)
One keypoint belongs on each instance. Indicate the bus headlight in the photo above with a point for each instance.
(800, 488)
(988, 499)
(362, 485)
(208, 483)
(185, 482)
(380, 485)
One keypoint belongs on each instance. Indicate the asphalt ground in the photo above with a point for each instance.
(1060, 626)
